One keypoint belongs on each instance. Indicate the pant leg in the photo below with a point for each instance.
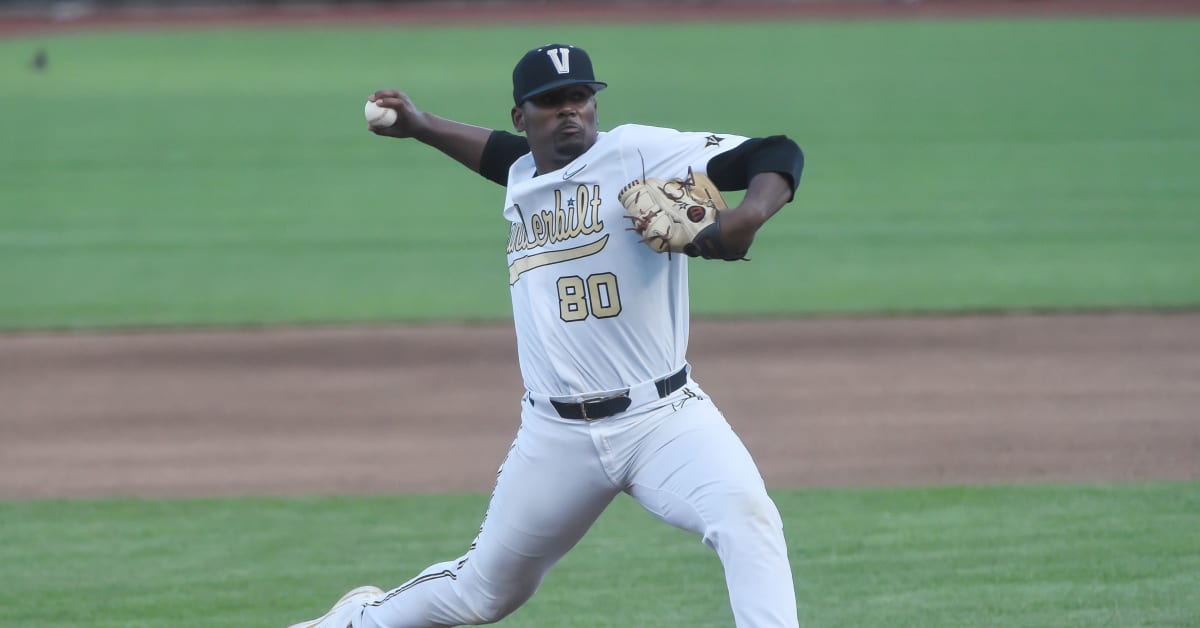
(693, 472)
(549, 492)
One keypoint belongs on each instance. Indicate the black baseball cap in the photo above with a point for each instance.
(550, 67)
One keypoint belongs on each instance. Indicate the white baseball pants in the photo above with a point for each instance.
(677, 456)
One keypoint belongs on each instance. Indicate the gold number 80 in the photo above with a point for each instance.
(598, 295)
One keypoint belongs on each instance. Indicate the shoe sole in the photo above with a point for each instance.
(348, 598)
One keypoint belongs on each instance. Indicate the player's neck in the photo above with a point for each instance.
(549, 161)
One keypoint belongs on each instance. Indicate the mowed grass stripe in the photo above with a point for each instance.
(1122, 555)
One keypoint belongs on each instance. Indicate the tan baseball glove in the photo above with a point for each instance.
(678, 215)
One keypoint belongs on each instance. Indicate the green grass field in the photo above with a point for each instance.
(218, 178)
(984, 556)
(226, 177)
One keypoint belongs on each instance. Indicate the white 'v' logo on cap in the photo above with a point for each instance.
(561, 58)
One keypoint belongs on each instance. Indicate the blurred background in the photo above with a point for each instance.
(206, 163)
(215, 282)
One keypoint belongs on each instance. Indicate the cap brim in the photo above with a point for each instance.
(549, 87)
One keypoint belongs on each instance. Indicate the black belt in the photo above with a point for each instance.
(592, 410)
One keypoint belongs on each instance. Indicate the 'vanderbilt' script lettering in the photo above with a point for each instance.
(578, 216)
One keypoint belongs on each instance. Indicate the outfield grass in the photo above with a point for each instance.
(225, 177)
(982, 556)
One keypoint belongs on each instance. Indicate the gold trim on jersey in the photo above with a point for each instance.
(576, 217)
(525, 264)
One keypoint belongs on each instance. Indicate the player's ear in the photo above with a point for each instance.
(518, 119)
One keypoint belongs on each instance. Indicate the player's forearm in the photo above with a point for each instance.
(463, 142)
(767, 194)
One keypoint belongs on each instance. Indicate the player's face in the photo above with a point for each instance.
(560, 125)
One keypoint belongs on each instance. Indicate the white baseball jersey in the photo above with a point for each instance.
(598, 312)
(595, 309)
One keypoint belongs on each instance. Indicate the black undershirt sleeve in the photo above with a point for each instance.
(501, 150)
(733, 169)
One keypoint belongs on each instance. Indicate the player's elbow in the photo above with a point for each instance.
(779, 154)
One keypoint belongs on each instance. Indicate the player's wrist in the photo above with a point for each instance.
(423, 127)
(738, 226)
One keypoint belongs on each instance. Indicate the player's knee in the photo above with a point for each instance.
(491, 608)
(493, 611)
(750, 514)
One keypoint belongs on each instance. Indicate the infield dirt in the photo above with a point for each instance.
(819, 402)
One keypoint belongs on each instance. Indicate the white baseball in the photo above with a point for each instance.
(379, 117)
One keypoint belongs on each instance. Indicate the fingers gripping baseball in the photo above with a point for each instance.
(405, 120)
(678, 215)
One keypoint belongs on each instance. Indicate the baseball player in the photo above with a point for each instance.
(601, 317)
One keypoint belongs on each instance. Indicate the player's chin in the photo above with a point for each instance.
(571, 144)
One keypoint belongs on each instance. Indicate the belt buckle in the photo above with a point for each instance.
(583, 404)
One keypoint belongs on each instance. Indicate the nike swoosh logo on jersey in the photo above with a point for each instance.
(570, 173)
